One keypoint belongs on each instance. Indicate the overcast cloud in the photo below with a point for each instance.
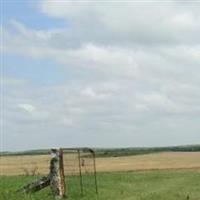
(116, 74)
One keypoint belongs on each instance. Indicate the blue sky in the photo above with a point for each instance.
(18, 66)
(27, 12)
(99, 74)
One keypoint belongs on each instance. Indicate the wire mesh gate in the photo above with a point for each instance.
(80, 169)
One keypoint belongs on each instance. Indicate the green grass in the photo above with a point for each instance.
(150, 185)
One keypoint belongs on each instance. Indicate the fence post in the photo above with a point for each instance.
(95, 171)
(80, 172)
(57, 177)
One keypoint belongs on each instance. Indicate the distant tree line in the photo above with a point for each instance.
(116, 152)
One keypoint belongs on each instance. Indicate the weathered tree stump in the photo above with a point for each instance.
(57, 182)
(55, 179)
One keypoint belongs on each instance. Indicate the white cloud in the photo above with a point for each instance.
(31, 113)
(64, 8)
(127, 113)
(129, 22)
(27, 107)
(95, 95)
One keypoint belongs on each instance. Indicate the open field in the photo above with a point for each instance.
(156, 176)
(147, 185)
(20, 165)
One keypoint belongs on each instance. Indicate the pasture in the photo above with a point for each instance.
(157, 176)
(146, 185)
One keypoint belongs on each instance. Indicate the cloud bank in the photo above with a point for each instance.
(134, 80)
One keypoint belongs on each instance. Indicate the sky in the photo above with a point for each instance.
(99, 73)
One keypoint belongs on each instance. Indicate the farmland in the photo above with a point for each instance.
(19, 165)
(152, 176)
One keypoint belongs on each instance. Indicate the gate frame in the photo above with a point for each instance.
(84, 150)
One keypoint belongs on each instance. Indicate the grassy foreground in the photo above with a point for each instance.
(149, 185)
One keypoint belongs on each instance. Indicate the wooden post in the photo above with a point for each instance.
(62, 174)
(57, 178)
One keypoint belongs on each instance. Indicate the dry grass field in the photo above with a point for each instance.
(39, 164)
(167, 160)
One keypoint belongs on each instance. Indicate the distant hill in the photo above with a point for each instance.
(116, 152)
(30, 152)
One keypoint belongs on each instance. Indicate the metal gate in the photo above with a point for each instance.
(80, 170)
